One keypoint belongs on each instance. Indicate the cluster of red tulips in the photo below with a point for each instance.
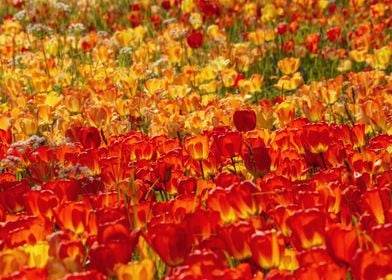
(303, 202)
(195, 139)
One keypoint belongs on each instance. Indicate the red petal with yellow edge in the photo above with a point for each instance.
(308, 228)
(267, 248)
(197, 147)
(237, 239)
(377, 202)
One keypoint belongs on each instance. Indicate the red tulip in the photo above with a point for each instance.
(367, 264)
(65, 190)
(316, 137)
(267, 249)
(321, 271)
(195, 39)
(6, 136)
(282, 28)
(73, 216)
(209, 8)
(225, 180)
(86, 275)
(229, 144)
(333, 34)
(135, 18)
(381, 235)
(313, 255)
(308, 228)
(90, 137)
(243, 198)
(377, 202)
(244, 120)
(237, 239)
(312, 42)
(256, 157)
(25, 230)
(40, 203)
(103, 257)
(202, 224)
(218, 200)
(342, 242)
(28, 273)
(72, 251)
(172, 242)
(11, 194)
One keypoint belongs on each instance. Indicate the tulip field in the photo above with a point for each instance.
(195, 139)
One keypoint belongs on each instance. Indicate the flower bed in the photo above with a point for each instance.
(195, 139)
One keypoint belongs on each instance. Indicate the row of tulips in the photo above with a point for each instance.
(306, 201)
(192, 73)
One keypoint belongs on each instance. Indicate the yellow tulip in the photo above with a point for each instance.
(289, 65)
(144, 269)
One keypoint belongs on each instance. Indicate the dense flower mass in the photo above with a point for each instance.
(195, 139)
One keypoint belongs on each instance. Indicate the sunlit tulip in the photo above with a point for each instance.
(237, 238)
(144, 269)
(289, 82)
(229, 144)
(40, 202)
(308, 228)
(267, 248)
(38, 254)
(285, 113)
(289, 65)
(218, 201)
(197, 147)
(376, 202)
(73, 216)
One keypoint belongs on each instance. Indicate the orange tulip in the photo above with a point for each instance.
(218, 201)
(73, 216)
(289, 65)
(197, 147)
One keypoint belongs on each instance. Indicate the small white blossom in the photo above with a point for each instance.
(21, 15)
(60, 6)
(76, 28)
